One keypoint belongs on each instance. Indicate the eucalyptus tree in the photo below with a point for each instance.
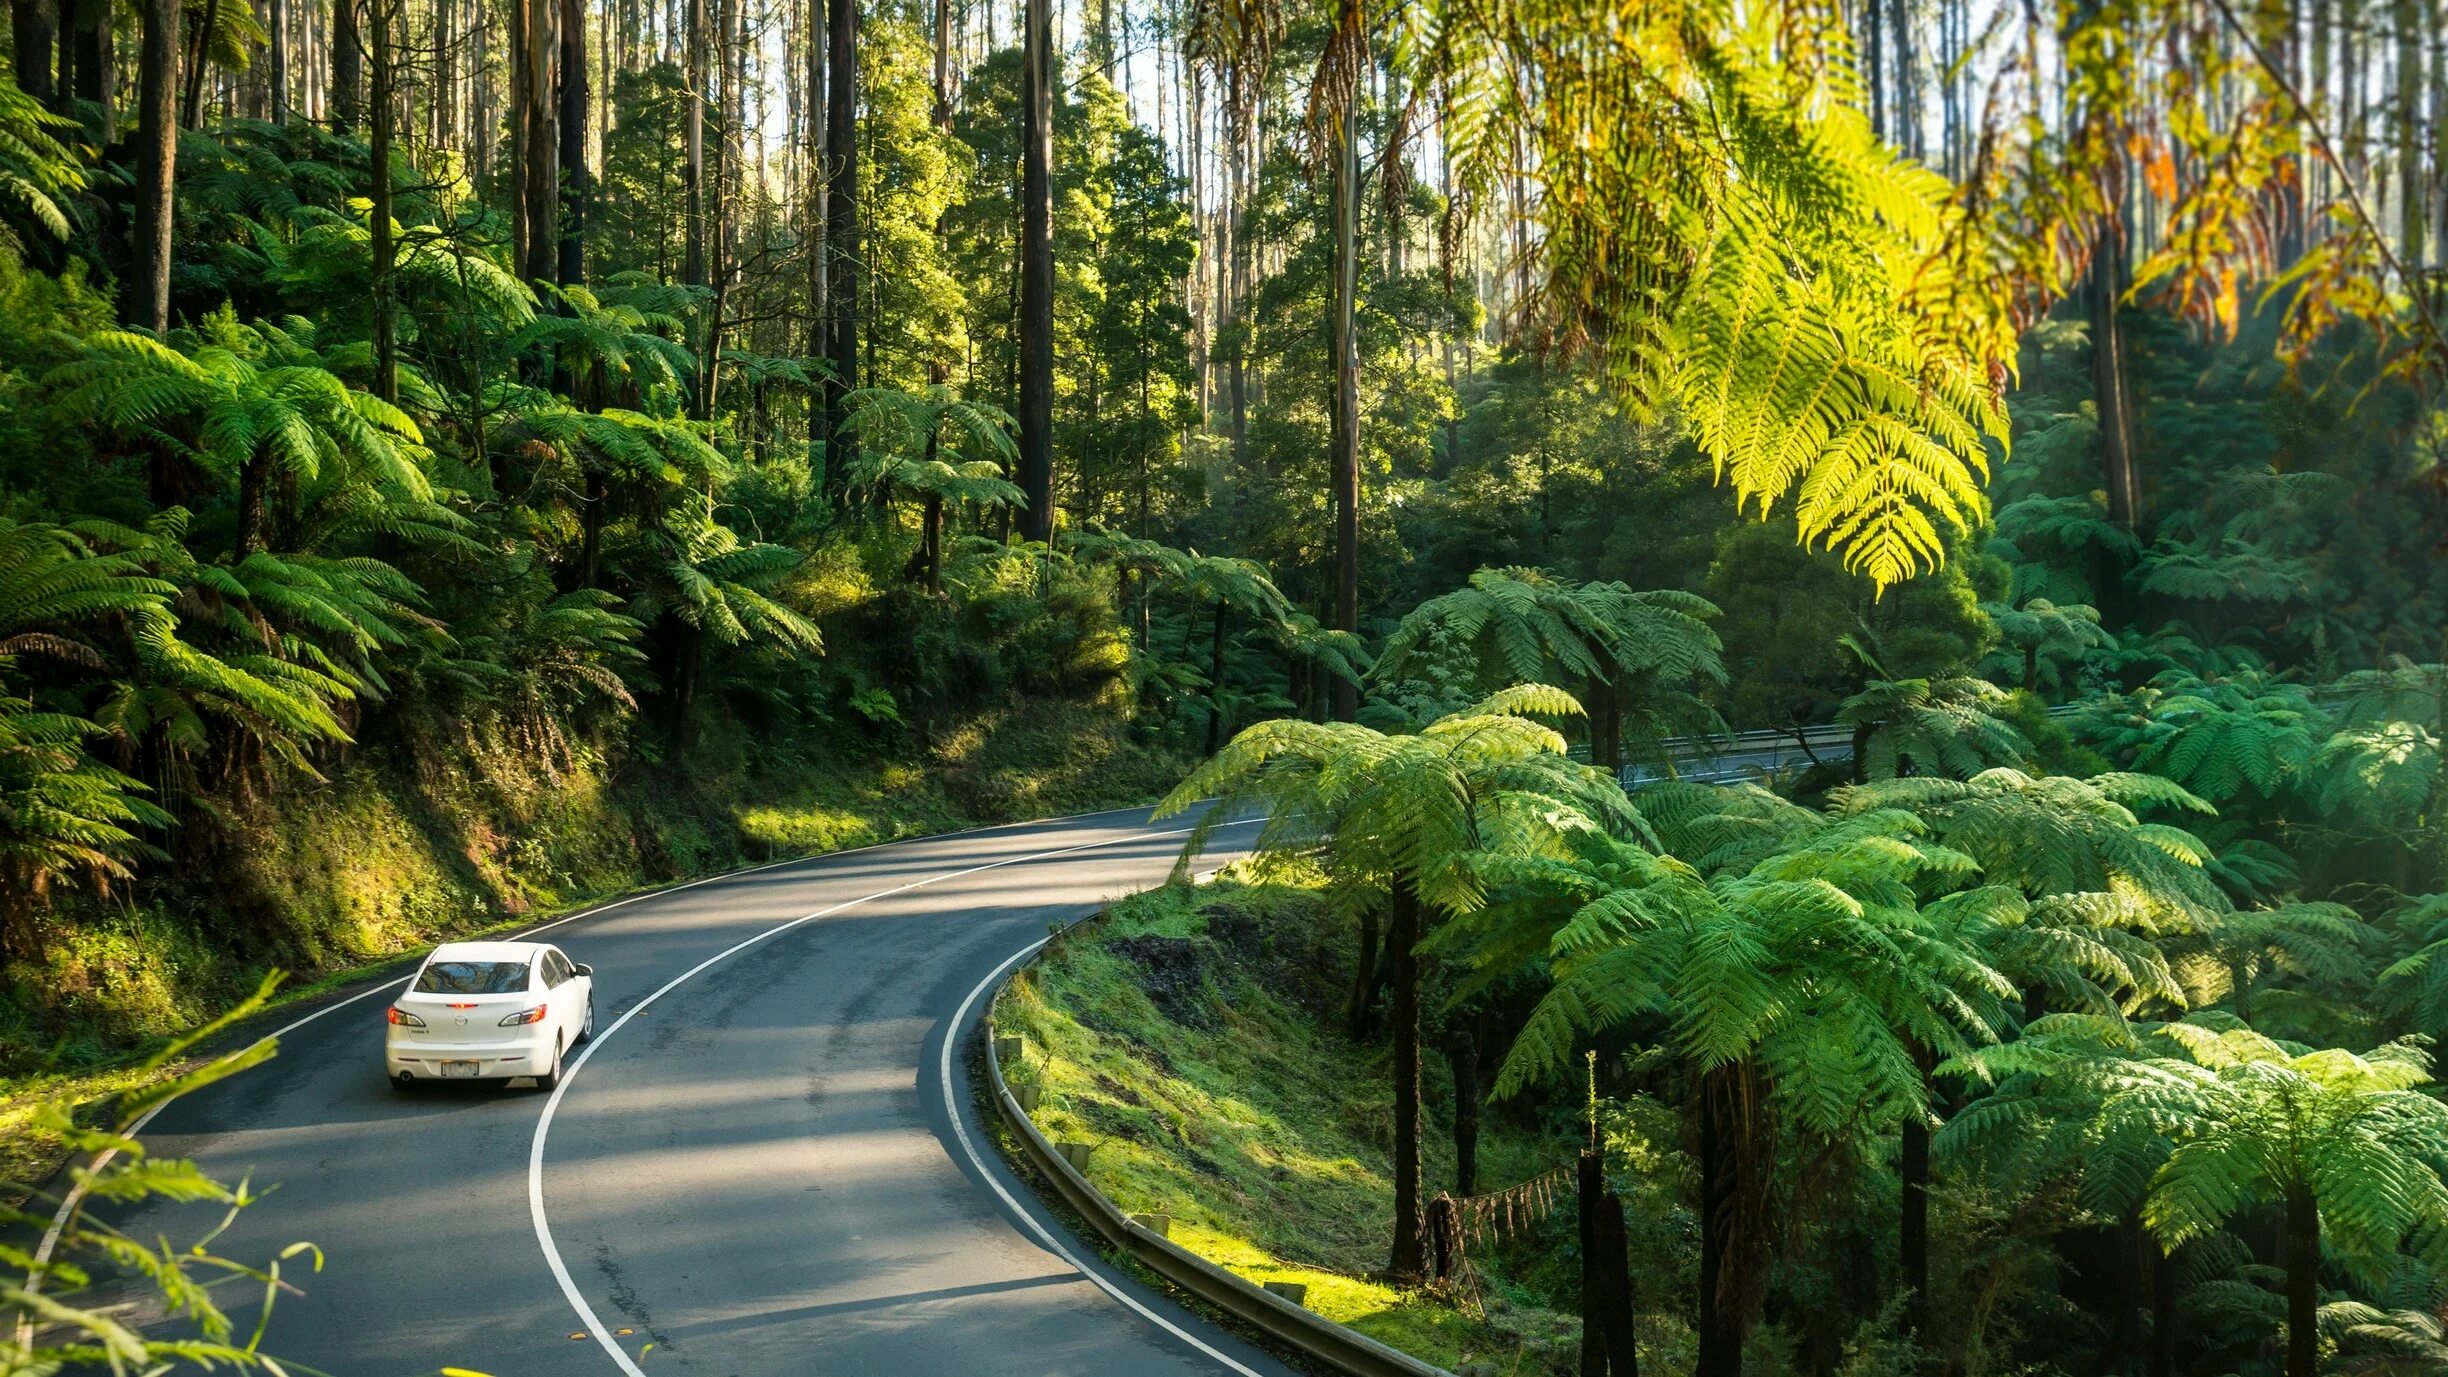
(1403, 821)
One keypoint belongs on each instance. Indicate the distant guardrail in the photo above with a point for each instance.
(1717, 759)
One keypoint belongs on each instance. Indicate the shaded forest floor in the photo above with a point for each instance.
(1192, 1036)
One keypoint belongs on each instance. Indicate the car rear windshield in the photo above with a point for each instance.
(473, 977)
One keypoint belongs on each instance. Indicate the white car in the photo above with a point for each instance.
(490, 1011)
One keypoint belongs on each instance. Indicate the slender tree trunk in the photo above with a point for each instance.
(1037, 273)
(1403, 935)
(2412, 205)
(841, 233)
(1462, 1060)
(692, 172)
(199, 61)
(943, 65)
(378, 215)
(1364, 978)
(2303, 1257)
(1344, 441)
(33, 26)
(2108, 380)
(575, 181)
(144, 298)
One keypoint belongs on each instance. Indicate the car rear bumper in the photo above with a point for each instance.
(529, 1054)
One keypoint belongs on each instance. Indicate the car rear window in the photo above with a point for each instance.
(473, 977)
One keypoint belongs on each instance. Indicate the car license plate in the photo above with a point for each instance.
(458, 1068)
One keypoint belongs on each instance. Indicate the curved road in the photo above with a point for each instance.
(766, 1165)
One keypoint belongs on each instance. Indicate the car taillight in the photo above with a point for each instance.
(534, 1015)
(404, 1018)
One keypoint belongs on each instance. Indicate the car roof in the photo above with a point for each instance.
(487, 951)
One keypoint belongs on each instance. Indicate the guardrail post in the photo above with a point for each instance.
(1076, 1154)
(1006, 1049)
(1296, 1292)
(1027, 1097)
(1160, 1225)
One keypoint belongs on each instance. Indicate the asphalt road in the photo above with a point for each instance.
(767, 1164)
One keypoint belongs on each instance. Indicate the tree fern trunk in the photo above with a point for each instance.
(1403, 935)
(253, 490)
(1915, 1242)
(2162, 1357)
(932, 538)
(2302, 1282)
(1215, 681)
(1462, 1058)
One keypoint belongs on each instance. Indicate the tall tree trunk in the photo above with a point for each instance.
(841, 235)
(1232, 268)
(1037, 273)
(276, 59)
(1344, 359)
(33, 26)
(692, 171)
(1403, 936)
(378, 214)
(347, 68)
(2108, 379)
(2303, 1258)
(2412, 205)
(575, 182)
(943, 65)
(538, 91)
(144, 298)
(85, 52)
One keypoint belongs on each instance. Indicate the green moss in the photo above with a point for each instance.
(1188, 1037)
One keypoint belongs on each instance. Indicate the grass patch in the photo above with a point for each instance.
(1191, 1036)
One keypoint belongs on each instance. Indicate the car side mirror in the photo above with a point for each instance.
(583, 969)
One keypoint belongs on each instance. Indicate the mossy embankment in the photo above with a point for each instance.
(1192, 1036)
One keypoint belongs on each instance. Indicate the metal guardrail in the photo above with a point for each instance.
(1743, 755)
(1339, 1347)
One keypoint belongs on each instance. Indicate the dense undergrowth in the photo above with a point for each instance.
(1192, 1036)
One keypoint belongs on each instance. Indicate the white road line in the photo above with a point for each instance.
(75, 1195)
(589, 1320)
(960, 1130)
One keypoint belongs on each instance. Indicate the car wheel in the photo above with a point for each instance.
(586, 1029)
(551, 1080)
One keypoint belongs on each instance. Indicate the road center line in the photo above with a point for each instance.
(589, 1320)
